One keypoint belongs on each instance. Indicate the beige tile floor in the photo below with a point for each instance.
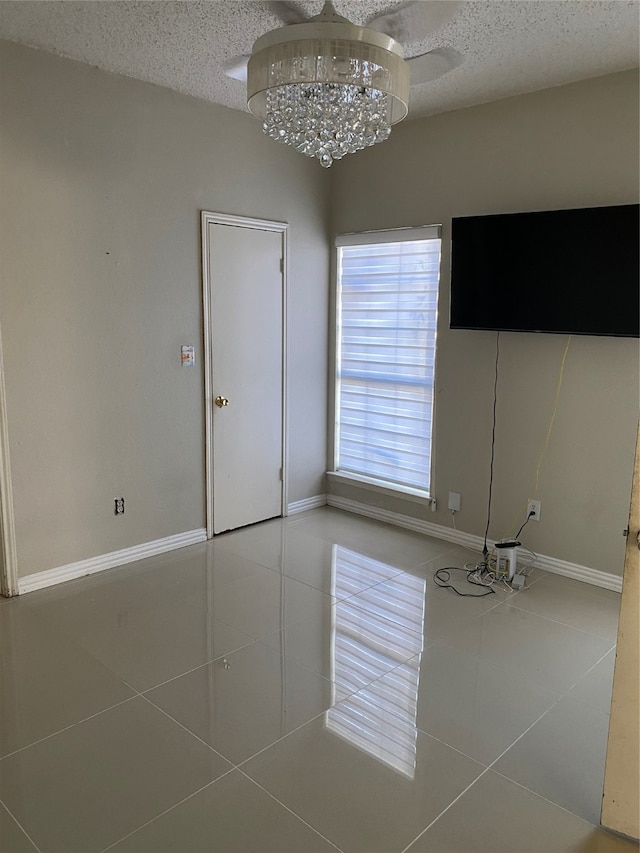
(303, 685)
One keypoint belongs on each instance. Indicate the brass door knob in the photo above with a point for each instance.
(221, 402)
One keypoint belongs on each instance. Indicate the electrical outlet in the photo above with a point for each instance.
(534, 507)
(119, 506)
(454, 501)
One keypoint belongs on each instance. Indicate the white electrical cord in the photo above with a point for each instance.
(481, 576)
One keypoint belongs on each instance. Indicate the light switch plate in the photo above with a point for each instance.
(188, 355)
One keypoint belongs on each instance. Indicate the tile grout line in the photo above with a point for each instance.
(178, 723)
(142, 694)
(486, 770)
(445, 810)
(443, 742)
(11, 814)
(313, 719)
(71, 726)
(420, 632)
(244, 760)
(232, 767)
(75, 642)
(565, 624)
(418, 729)
(397, 571)
(273, 797)
(396, 574)
(490, 766)
(166, 811)
(454, 748)
(199, 666)
(565, 695)
(84, 719)
(556, 700)
(546, 799)
(279, 740)
(509, 601)
(283, 574)
(345, 699)
(298, 663)
(593, 666)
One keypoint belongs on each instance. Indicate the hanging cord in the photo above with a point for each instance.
(481, 574)
(485, 550)
(553, 417)
(524, 524)
(536, 478)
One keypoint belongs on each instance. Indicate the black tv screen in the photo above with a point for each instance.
(559, 271)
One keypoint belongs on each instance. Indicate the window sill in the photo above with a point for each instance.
(382, 488)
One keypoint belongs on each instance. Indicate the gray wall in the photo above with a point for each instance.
(102, 180)
(572, 146)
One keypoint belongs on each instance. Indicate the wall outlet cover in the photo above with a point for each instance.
(454, 501)
(534, 507)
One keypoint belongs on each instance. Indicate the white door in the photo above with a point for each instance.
(244, 267)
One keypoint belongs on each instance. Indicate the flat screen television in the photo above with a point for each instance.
(559, 271)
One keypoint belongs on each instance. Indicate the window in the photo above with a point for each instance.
(387, 297)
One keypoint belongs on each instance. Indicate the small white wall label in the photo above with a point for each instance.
(188, 356)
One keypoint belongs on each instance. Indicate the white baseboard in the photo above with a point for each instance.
(50, 577)
(475, 543)
(579, 573)
(306, 504)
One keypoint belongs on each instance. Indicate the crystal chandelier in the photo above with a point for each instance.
(327, 87)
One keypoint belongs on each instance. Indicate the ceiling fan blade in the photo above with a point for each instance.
(414, 21)
(429, 66)
(288, 13)
(236, 67)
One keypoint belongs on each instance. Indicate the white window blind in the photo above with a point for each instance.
(387, 312)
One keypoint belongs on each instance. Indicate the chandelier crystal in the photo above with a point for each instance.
(327, 87)
(327, 121)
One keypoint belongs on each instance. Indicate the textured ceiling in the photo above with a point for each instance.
(509, 46)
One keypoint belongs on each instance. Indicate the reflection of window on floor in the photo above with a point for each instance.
(381, 638)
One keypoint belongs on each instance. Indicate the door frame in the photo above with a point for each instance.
(9, 552)
(212, 218)
(619, 811)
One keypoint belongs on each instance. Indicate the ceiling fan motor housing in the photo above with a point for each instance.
(328, 51)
